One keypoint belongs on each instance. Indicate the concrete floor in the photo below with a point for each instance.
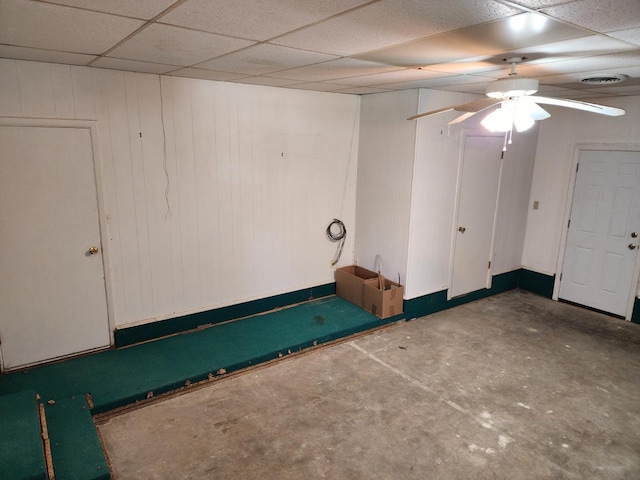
(510, 387)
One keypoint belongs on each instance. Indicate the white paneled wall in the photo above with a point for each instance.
(385, 167)
(407, 190)
(557, 141)
(438, 151)
(558, 138)
(215, 193)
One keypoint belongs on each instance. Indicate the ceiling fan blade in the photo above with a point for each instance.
(470, 107)
(535, 111)
(432, 112)
(588, 107)
(461, 118)
(477, 105)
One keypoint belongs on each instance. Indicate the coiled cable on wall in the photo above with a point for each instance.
(338, 236)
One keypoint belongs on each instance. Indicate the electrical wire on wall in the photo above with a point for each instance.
(336, 231)
(337, 236)
(168, 215)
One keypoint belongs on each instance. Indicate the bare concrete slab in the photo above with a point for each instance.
(511, 387)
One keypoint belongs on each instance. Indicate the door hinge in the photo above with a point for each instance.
(569, 223)
(489, 266)
(577, 167)
(560, 277)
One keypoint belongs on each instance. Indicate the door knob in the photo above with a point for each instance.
(93, 250)
(462, 229)
(634, 234)
(632, 246)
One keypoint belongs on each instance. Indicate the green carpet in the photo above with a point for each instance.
(119, 377)
(21, 450)
(75, 447)
(115, 378)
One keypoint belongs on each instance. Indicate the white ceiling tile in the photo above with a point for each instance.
(176, 46)
(133, 65)
(362, 90)
(438, 82)
(52, 27)
(341, 68)
(600, 63)
(39, 55)
(486, 39)
(397, 76)
(258, 21)
(576, 47)
(268, 81)
(317, 86)
(145, 9)
(390, 22)
(466, 66)
(631, 35)
(475, 88)
(599, 15)
(619, 90)
(204, 74)
(264, 58)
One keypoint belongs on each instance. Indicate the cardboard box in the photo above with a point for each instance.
(350, 282)
(383, 303)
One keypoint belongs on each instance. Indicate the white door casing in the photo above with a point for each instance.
(52, 291)
(600, 256)
(474, 225)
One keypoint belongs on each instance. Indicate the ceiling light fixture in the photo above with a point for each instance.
(510, 114)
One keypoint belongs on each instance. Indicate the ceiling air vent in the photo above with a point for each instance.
(603, 79)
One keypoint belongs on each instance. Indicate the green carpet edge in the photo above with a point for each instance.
(140, 333)
(75, 447)
(21, 446)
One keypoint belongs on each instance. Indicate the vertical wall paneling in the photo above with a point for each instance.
(125, 212)
(83, 93)
(10, 104)
(553, 169)
(171, 198)
(62, 91)
(36, 90)
(438, 149)
(99, 85)
(385, 170)
(214, 193)
(513, 203)
(433, 194)
(187, 200)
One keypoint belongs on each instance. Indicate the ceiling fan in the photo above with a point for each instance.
(519, 107)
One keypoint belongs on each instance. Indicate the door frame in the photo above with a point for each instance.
(92, 128)
(577, 150)
(471, 132)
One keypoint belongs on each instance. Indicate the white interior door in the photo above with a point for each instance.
(52, 290)
(602, 241)
(478, 194)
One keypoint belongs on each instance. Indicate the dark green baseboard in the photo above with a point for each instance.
(635, 316)
(536, 282)
(416, 307)
(141, 333)
(435, 302)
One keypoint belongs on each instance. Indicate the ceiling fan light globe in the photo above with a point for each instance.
(500, 120)
(522, 121)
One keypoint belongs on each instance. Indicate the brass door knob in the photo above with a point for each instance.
(632, 246)
(93, 250)
(462, 229)
(634, 234)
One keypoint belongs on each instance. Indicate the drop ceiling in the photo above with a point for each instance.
(345, 46)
